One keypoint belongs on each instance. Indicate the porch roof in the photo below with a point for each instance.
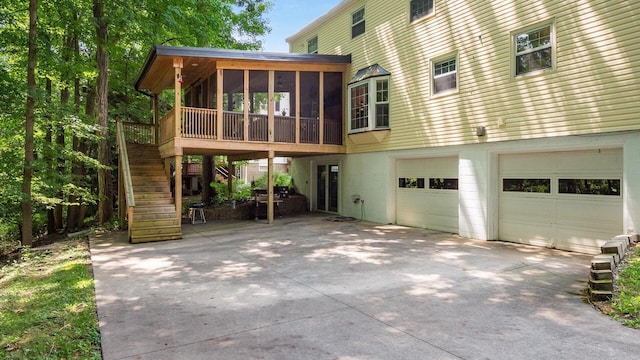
(157, 73)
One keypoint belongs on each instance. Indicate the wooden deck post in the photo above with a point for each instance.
(270, 187)
(177, 66)
(230, 171)
(178, 186)
(321, 111)
(219, 105)
(156, 119)
(122, 212)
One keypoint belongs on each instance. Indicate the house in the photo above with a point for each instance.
(220, 97)
(510, 120)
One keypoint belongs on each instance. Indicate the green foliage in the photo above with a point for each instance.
(47, 306)
(279, 179)
(626, 304)
(64, 25)
(241, 191)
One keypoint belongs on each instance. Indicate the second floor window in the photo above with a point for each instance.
(312, 45)
(445, 76)
(421, 8)
(357, 23)
(533, 50)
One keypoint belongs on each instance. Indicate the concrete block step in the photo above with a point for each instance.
(600, 295)
(606, 285)
(603, 262)
(602, 274)
(614, 247)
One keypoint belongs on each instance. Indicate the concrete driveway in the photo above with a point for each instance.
(307, 288)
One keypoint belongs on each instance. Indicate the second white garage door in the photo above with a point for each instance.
(567, 200)
(427, 193)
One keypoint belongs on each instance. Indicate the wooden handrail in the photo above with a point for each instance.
(124, 163)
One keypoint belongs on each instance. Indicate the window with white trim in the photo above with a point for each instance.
(369, 105)
(445, 75)
(533, 50)
(420, 9)
(357, 23)
(312, 45)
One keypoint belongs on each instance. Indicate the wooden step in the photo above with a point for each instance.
(154, 216)
(151, 238)
(153, 209)
(151, 188)
(156, 230)
(138, 224)
(152, 195)
(154, 202)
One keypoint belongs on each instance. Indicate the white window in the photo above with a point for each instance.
(421, 8)
(369, 105)
(533, 50)
(312, 45)
(357, 23)
(445, 75)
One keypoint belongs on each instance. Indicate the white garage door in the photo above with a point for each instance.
(567, 200)
(427, 193)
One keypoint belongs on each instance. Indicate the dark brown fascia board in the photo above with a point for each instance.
(158, 50)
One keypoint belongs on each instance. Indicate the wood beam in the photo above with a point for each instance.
(271, 106)
(178, 186)
(297, 115)
(246, 105)
(177, 87)
(248, 156)
(321, 110)
(270, 187)
(219, 102)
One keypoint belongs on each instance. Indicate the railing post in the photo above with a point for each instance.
(297, 114)
(156, 119)
(271, 107)
(321, 111)
(177, 66)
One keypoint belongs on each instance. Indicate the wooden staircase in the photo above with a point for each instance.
(154, 215)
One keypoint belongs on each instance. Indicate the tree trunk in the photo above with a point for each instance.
(105, 205)
(74, 221)
(27, 218)
(51, 220)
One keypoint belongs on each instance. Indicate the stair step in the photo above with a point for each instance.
(154, 216)
(606, 285)
(154, 202)
(600, 295)
(151, 238)
(152, 195)
(156, 230)
(144, 209)
(141, 224)
(602, 274)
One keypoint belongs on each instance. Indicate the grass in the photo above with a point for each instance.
(47, 304)
(625, 305)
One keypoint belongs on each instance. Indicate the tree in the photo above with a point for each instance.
(27, 220)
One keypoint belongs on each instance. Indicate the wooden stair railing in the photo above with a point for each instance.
(125, 186)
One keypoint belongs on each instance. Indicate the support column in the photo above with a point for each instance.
(156, 119)
(207, 178)
(219, 101)
(230, 170)
(270, 187)
(177, 66)
(167, 168)
(178, 186)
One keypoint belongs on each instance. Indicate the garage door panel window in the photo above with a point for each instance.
(411, 183)
(608, 187)
(443, 183)
(527, 185)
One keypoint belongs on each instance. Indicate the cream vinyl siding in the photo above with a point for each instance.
(594, 85)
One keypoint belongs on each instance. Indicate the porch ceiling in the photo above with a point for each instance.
(158, 74)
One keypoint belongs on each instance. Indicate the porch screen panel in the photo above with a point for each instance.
(309, 107)
(333, 108)
(258, 105)
(233, 103)
(285, 105)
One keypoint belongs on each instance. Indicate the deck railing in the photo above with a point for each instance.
(200, 123)
(139, 133)
(126, 185)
